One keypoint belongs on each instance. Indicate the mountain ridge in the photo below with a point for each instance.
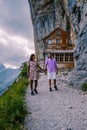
(7, 77)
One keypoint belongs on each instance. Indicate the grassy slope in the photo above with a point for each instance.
(12, 104)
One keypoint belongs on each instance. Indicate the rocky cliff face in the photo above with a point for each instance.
(71, 15)
(46, 16)
(78, 18)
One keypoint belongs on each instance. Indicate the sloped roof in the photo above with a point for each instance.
(53, 32)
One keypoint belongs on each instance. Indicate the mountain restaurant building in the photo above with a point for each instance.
(59, 44)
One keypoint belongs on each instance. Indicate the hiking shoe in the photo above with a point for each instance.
(55, 87)
(35, 90)
(50, 89)
(32, 93)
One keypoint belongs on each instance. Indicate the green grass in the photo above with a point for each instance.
(13, 107)
(84, 87)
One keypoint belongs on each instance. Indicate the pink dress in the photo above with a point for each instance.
(33, 73)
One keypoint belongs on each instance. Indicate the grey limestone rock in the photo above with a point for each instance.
(71, 15)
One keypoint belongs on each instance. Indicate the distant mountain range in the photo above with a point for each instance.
(7, 77)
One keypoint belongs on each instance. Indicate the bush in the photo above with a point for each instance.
(84, 87)
(24, 71)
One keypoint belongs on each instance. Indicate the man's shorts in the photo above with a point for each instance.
(51, 75)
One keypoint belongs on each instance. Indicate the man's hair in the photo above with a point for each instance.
(50, 54)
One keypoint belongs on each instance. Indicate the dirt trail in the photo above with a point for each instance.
(65, 109)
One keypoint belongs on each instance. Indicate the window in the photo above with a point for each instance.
(66, 57)
(71, 57)
(59, 57)
(57, 41)
(70, 41)
(58, 33)
(49, 41)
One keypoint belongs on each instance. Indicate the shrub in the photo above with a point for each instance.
(84, 87)
(24, 71)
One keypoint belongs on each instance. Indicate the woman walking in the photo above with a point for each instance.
(33, 74)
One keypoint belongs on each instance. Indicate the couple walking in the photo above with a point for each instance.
(50, 66)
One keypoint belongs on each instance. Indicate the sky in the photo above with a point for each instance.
(16, 32)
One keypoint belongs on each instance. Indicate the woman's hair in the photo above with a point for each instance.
(31, 57)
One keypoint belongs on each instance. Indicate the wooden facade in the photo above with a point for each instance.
(58, 42)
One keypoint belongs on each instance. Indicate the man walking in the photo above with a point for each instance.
(52, 70)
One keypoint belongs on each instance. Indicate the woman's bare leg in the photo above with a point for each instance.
(36, 83)
(31, 87)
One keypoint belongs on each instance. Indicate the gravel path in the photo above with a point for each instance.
(65, 109)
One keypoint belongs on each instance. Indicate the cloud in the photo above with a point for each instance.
(16, 32)
(14, 49)
(15, 17)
